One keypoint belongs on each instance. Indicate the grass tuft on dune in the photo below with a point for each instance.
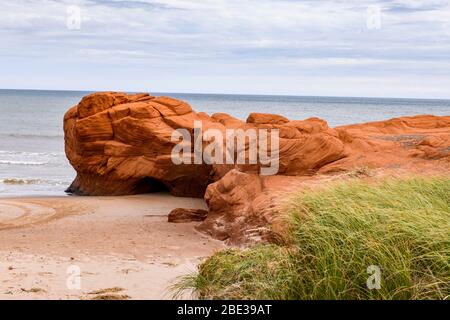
(335, 234)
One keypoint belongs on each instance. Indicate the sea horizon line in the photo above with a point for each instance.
(228, 94)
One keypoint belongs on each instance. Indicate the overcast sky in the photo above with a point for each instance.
(334, 48)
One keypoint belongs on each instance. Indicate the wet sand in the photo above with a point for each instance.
(123, 247)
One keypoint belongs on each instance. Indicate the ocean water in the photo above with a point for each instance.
(32, 159)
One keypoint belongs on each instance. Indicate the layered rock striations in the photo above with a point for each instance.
(123, 144)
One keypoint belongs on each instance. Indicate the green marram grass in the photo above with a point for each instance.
(335, 234)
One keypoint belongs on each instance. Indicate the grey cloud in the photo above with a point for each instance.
(270, 37)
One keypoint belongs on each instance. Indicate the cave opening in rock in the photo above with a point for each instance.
(150, 185)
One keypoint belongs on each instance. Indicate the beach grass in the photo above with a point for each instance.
(338, 237)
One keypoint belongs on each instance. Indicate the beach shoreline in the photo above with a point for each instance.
(123, 246)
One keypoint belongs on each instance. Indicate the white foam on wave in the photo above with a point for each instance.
(23, 163)
(23, 158)
(23, 153)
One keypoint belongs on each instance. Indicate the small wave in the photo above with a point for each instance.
(24, 181)
(23, 163)
(30, 158)
(21, 181)
(23, 153)
(31, 136)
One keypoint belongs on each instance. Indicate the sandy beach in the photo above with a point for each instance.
(123, 247)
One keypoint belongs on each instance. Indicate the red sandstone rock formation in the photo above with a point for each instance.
(121, 144)
(181, 215)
